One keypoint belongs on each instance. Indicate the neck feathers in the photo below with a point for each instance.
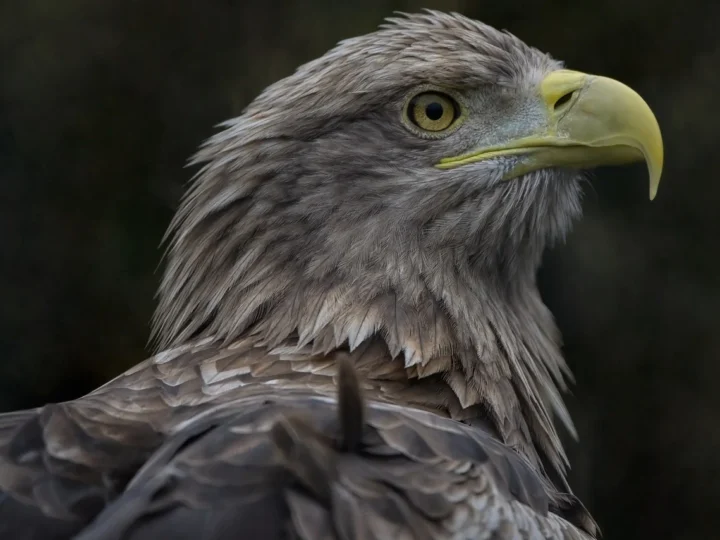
(266, 250)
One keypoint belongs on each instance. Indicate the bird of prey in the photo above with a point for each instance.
(351, 340)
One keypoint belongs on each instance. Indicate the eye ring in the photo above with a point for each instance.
(432, 113)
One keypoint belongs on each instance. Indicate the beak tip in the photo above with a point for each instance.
(654, 189)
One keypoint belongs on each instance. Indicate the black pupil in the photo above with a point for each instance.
(434, 111)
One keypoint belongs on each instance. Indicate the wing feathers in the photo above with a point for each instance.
(333, 469)
(278, 457)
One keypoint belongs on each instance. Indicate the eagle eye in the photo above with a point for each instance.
(432, 112)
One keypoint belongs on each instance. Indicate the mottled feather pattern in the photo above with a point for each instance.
(418, 475)
(231, 405)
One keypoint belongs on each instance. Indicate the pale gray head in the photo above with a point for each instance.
(404, 185)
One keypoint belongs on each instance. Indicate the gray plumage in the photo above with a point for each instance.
(320, 234)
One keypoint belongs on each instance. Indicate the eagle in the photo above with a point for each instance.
(351, 343)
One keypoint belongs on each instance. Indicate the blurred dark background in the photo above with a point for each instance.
(102, 101)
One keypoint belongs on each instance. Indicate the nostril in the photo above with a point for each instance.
(564, 99)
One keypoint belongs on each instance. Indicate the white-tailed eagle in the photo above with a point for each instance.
(352, 343)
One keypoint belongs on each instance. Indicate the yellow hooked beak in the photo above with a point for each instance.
(592, 121)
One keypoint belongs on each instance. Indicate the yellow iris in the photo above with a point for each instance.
(432, 111)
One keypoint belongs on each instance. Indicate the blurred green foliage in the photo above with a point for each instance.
(102, 101)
